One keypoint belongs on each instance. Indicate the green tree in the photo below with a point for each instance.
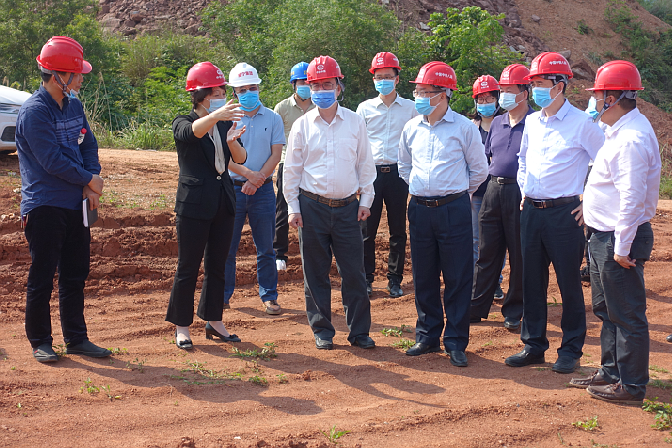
(470, 41)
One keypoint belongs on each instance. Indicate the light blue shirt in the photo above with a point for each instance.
(263, 130)
(555, 152)
(442, 159)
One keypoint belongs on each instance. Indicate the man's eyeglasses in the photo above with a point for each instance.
(323, 86)
(244, 91)
(486, 100)
(384, 78)
(425, 93)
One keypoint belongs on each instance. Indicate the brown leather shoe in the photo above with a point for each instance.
(614, 393)
(595, 379)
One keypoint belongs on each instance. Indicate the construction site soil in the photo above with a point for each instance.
(275, 389)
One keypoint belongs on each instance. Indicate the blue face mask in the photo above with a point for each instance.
(592, 108)
(72, 94)
(249, 100)
(384, 86)
(324, 99)
(542, 96)
(423, 106)
(303, 92)
(508, 100)
(216, 103)
(486, 110)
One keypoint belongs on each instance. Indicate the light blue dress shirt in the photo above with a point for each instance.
(555, 152)
(263, 130)
(442, 159)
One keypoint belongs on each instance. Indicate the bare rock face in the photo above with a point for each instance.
(582, 70)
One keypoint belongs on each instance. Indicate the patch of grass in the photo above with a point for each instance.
(397, 332)
(595, 58)
(661, 384)
(265, 353)
(663, 413)
(89, 387)
(589, 425)
(403, 343)
(140, 365)
(118, 351)
(665, 188)
(487, 344)
(199, 371)
(658, 369)
(282, 379)
(258, 380)
(583, 28)
(333, 435)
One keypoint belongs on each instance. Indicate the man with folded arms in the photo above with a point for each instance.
(620, 199)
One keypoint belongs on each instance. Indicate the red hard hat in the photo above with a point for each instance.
(617, 75)
(384, 59)
(550, 63)
(485, 83)
(63, 54)
(204, 75)
(323, 67)
(514, 74)
(437, 74)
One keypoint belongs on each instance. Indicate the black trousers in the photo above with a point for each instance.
(281, 239)
(499, 230)
(392, 190)
(619, 300)
(57, 239)
(207, 240)
(552, 235)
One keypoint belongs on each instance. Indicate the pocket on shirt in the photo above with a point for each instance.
(346, 149)
(189, 190)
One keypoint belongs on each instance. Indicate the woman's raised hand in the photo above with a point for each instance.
(234, 133)
(230, 112)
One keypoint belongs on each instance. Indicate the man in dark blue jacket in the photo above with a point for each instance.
(58, 158)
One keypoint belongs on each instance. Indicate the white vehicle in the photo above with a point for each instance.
(10, 103)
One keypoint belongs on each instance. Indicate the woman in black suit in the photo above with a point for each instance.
(206, 140)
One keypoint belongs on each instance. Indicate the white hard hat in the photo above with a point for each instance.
(242, 75)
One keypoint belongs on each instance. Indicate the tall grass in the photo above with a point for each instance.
(666, 171)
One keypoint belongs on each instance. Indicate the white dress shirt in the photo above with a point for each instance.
(384, 125)
(555, 152)
(622, 189)
(442, 159)
(332, 160)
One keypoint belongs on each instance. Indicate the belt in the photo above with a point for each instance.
(330, 202)
(502, 180)
(240, 183)
(386, 168)
(548, 203)
(440, 201)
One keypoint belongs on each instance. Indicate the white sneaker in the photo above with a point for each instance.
(281, 265)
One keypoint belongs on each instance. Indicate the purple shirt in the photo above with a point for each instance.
(503, 145)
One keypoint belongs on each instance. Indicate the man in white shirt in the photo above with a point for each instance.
(558, 142)
(328, 163)
(442, 159)
(619, 201)
(385, 117)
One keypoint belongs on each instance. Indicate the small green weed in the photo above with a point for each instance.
(258, 380)
(661, 384)
(554, 303)
(391, 332)
(334, 435)
(588, 425)
(60, 349)
(282, 379)
(663, 413)
(403, 343)
(658, 369)
(89, 387)
(583, 28)
(139, 364)
(109, 393)
(265, 353)
(118, 351)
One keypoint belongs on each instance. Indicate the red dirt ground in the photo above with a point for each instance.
(165, 397)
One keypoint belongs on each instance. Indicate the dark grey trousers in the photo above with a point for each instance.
(619, 300)
(328, 230)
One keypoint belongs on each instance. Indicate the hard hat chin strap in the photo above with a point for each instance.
(625, 94)
(64, 87)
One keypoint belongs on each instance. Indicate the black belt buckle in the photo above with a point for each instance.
(385, 169)
(432, 203)
(539, 204)
(499, 180)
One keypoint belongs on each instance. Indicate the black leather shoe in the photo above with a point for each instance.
(499, 294)
(566, 364)
(595, 379)
(45, 353)
(211, 333)
(369, 288)
(88, 348)
(458, 358)
(669, 338)
(184, 345)
(395, 289)
(585, 274)
(523, 359)
(363, 341)
(511, 324)
(323, 344)
(420, 349)
(474, 319)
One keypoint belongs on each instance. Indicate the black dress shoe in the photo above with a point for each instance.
(323, 344)
(369, 288)
(184, 345)
(499, 294)
(88, 348)
(669, 338)
(395, 289)
(363, 341)
(566, 364)
(420, 349)
(458, 358)
(523, 359)
(474, 319)
(511, 324)
(45, 353)
(211, 333)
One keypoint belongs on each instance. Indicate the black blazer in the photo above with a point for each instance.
(200, 185)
